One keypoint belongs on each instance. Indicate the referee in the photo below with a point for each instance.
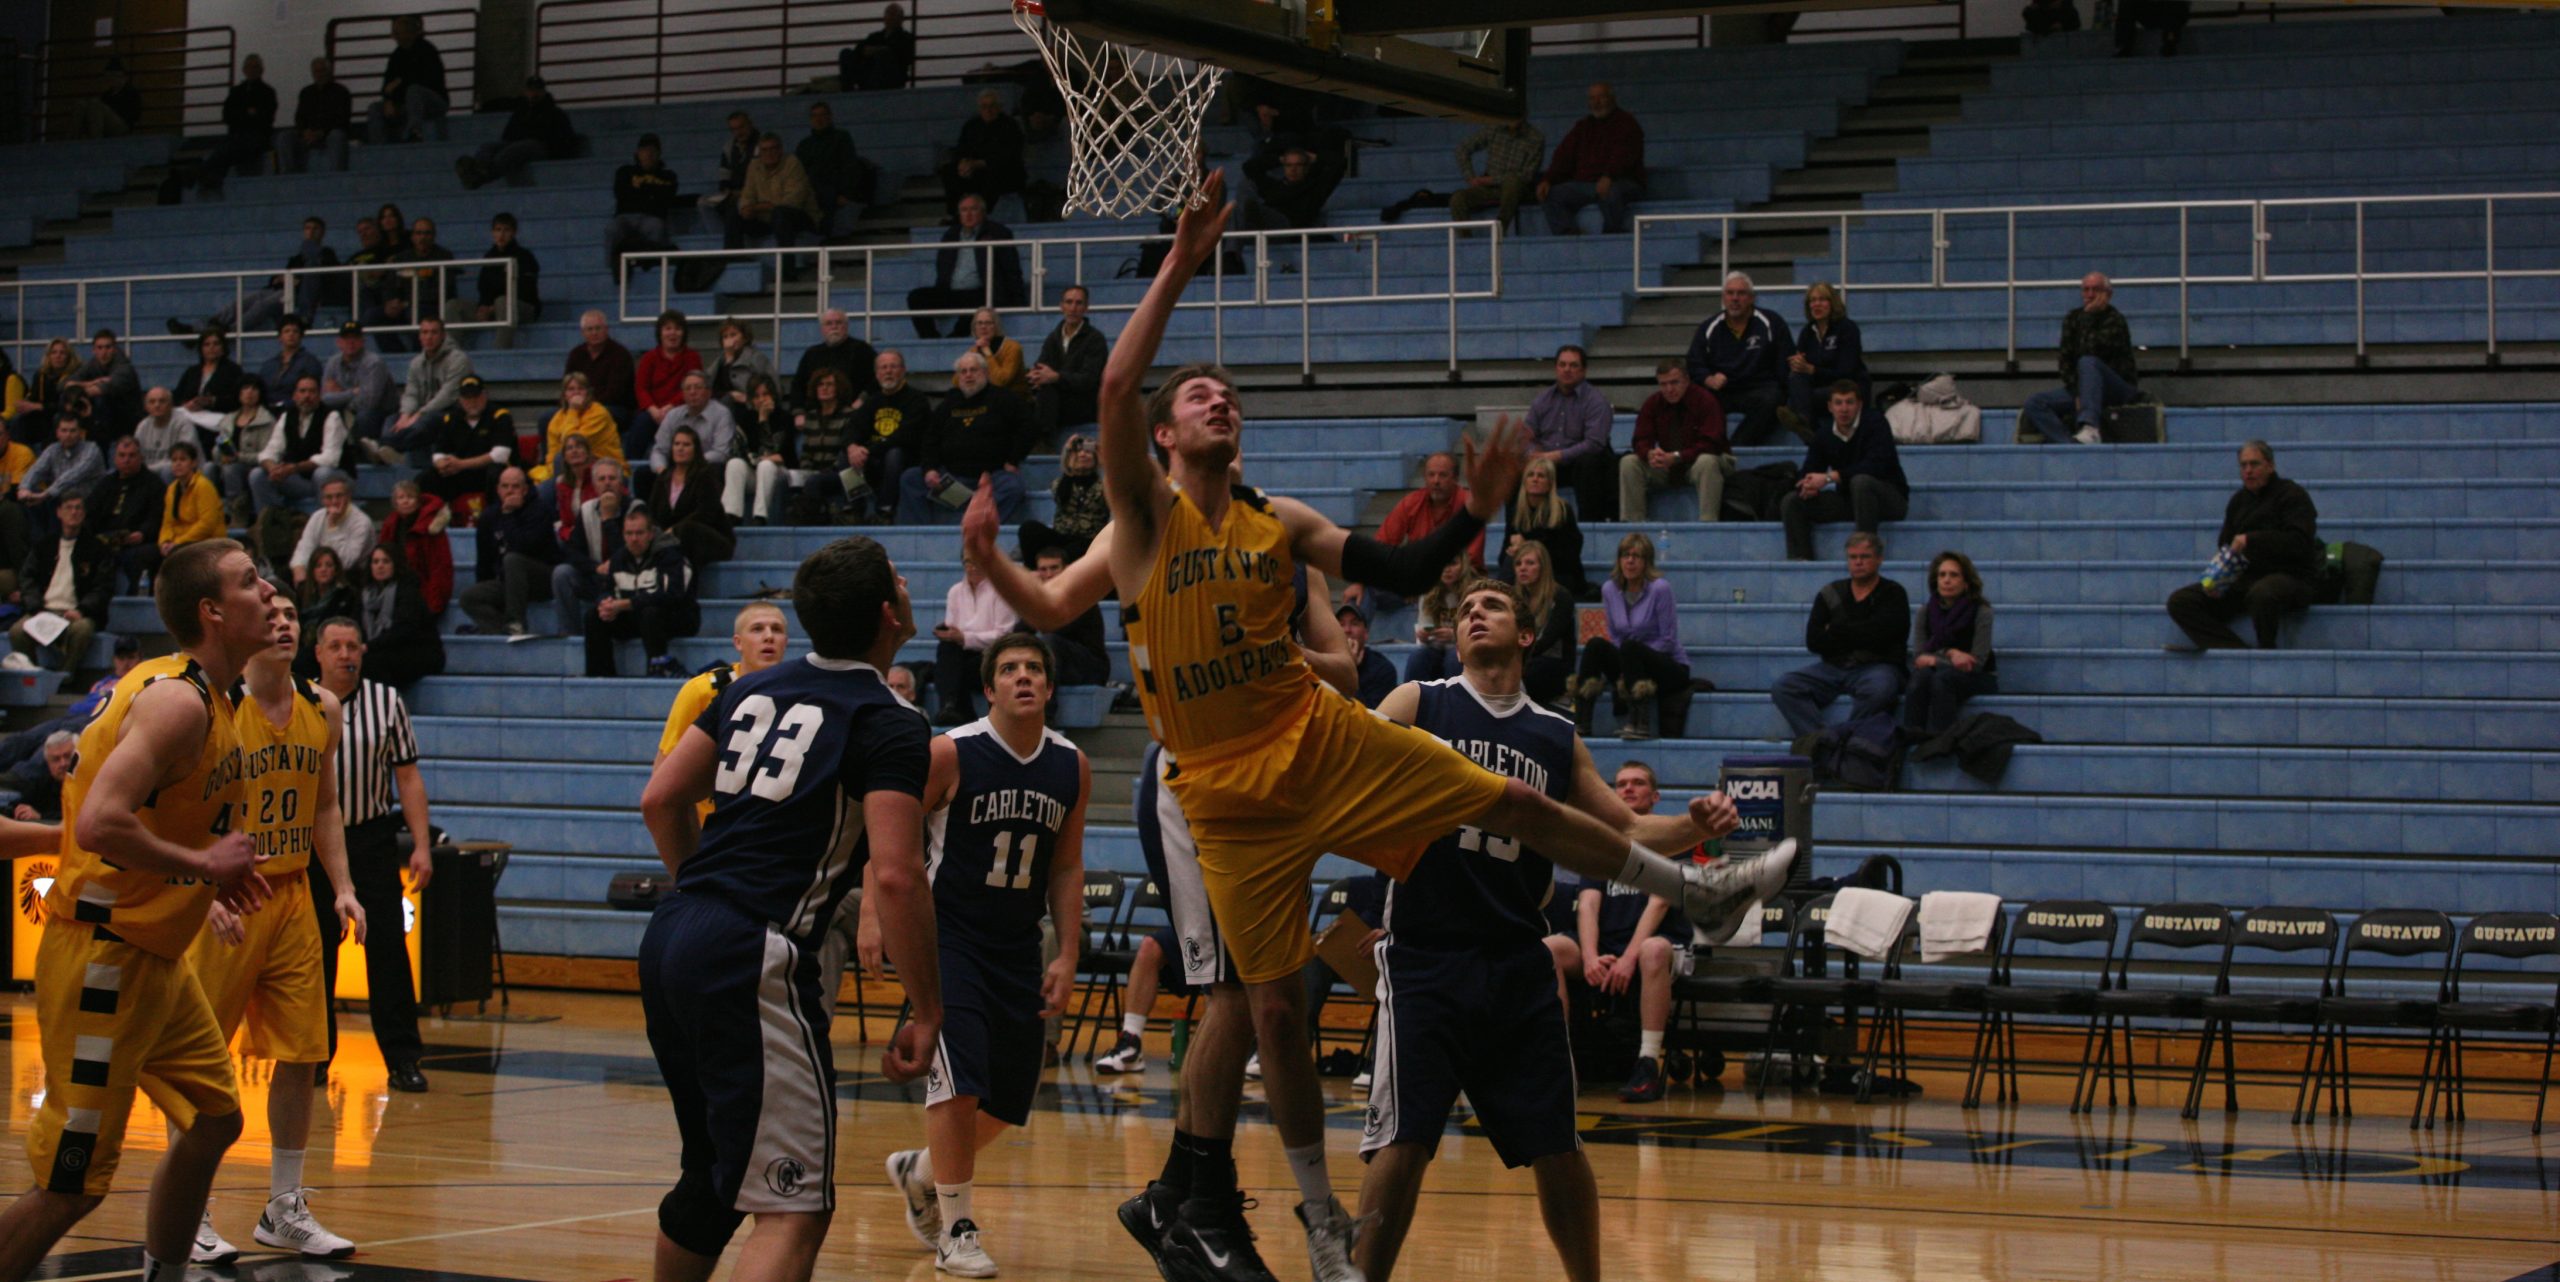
(377, 753)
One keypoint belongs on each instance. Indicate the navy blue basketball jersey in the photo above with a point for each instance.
(1474, 889)
(800, 744)
(1621, 907)
(987, 853)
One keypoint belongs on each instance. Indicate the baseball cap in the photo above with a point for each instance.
(471, 385)
(350, 329)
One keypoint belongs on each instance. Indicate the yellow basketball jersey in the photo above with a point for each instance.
(1209, 640)
(154, 913)
(696, 695)
(280, 772)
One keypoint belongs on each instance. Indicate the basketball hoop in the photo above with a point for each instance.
(1133, 118)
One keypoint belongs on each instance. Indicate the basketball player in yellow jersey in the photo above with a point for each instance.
(761, 633)
(264, 969)
(148, 842)
(1272, 768)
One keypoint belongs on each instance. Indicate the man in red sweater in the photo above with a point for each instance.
(1600, 162)
(1679, 438)
(1416, 515)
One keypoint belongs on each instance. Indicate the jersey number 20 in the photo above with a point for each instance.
(755, 719)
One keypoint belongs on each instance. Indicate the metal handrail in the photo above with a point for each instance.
(1065, 257)
(167, 64)
(626, 51)
(89, 314)
(359, 55)
(2261, 233)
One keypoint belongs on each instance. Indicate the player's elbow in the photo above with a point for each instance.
(96, 830)
(662, 800)
(894, 881)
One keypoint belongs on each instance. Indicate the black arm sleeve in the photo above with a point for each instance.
(1409, 570)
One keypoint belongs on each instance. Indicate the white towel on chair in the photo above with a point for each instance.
(1866, 922)
(1954, 923)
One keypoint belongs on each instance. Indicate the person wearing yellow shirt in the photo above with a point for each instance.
(1003, 355)
(191, 509)
(761, 634)
(578, 416)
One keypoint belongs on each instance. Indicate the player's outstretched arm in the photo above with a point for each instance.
(1130, 477)
(18, 837)
(1328, 651)
(1411, 569)
(161, 734)
(1402, 704)
(681, 781)
(1066, 898)
(1042, 607)
(1593, 796)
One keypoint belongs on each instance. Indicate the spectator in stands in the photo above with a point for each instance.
(2097, 362)
(536, 130)
(589, 531)
(338, 526)
(1628, 939)
(1857, 633)
(1435, 625)
(248, 127)
(1740, 354)
(1569, 427)
(1512, 152)
(1066, 380)
(190, 508)
(212, 384)
(883, 59)
(116, 109)
(768, 447)
(1851, 472)
(648, 593)
(161, 428)
(686, 501)
(1377, 675)
(436, 376)
(356, 385)
(292, 361)
(2049, 17)
(305, 452)
(517, 555)
(401, 643)
(1080, 507)
(1679, 441)
(38, 781)
(108, 379)
(238, 439)
(413, 88)
(328, 592)
(324, 117)
(1539, 516)
(49, 392)
(1641, 655)
(738, 366)
(1600, 162)
(359, 292)
(1828, 350)
(890, 423)
(1081, 648)
(472, 440)
(493, 278)
(644, 194)
(986, 162)
(1951, 655)
(124, 510)
(973, 616)
(1002, 354)
(836, 349)
(69, 467)
(26, 744)
(969, 277)
(1555, 624)
(264, 306)
(2273, 527)
(659, 379)
(902, 682)
(1286, 190)
(715, 438)
(574, 479)
(2168, 17)
(1414, 517)
(978, 431)
(413, 531)
(838, 175)
(418, 291)
(70, 575)
(776, 199)
(832, 452)
(16, 461)
(612, 380)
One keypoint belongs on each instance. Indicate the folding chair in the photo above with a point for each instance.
(1329, 905)
(1691, 994)
(2279, 932)
(2518, 937)
(2161, 928)
(1896, 998)
(2407, 933)
(1103, 963)
(2073, 926)
(1805, 986)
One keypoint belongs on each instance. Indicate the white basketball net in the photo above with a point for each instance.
(1133, 119)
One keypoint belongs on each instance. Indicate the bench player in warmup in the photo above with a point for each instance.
(147, 844)
(1004, 845)
(1272, 768)
(264, 970)
(814, 769)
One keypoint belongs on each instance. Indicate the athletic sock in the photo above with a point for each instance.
(1315, 1188)
(154, 1271)
(1213, 1167)
(1652, 874)
(1649, 1044)
(1134, 1025)
(1179, 1162)
(954, 1200)
(284, 1171)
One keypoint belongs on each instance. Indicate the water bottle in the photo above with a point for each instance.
(1662, 546)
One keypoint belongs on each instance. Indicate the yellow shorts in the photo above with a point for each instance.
(1340, 780)
(113, 1019)
(268, 988)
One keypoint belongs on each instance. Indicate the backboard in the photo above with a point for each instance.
(1473, 74)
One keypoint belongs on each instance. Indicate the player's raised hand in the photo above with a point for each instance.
(910, 1051)
(1714, 815)
(979, 523)
(1196, 233)
(1493, 468)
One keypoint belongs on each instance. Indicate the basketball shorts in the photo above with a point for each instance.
(992, 1034)
(1340, 780)
(739, 1028)
(114, 1019)
(268, 989)
(1192, 947)
(1475, 1021)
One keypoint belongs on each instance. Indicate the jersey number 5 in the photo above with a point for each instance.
(756, 721)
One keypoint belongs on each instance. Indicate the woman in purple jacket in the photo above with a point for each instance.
(1641, 655)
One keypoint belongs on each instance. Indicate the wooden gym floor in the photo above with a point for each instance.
(543, 1147)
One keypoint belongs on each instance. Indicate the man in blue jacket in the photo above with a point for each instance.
(1851, 471)
(1740, 354)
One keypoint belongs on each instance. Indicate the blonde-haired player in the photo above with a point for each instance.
(263, 972)
(147, 844)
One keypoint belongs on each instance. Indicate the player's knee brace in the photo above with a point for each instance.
(693, 1216)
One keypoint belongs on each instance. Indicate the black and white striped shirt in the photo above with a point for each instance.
(377, 741)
